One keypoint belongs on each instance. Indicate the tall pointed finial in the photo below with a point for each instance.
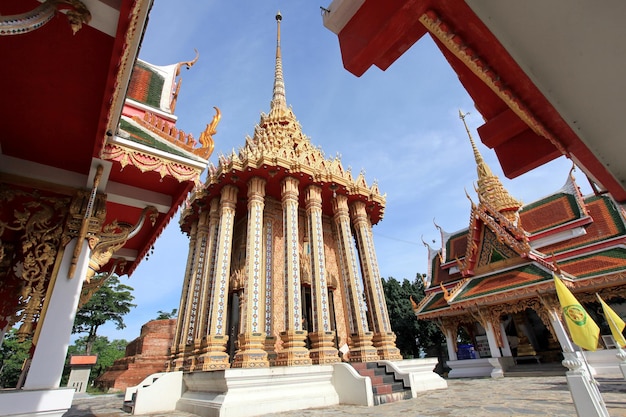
(482, 168)
(490, 189)
(278, 98)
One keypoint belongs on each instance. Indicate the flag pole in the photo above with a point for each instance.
(582, 331)
(621, 354)
(610, 317)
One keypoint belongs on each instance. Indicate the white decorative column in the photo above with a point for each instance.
(252, 338)
(294, 351)
(198, 280)
(217, 337)
(554, 314)
(494, 349)
(268, 271)
(361, 348)
(322, 349)
(182, 323)
(449, 330)
(506, 348)
(451, 343)
(384, 338)
(208, 282)
(496, 357)
(55, 328)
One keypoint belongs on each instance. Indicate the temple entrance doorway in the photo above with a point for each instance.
(233, 324)
(529, 338)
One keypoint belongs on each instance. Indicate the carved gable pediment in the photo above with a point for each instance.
(492, 239)
(493, 250)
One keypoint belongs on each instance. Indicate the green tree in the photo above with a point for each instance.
(164, 315)
(110, 303)
(414, 337)
(13, 353)
(108, 352)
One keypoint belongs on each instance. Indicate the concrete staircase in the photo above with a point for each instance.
(385, 386)
(131, 392)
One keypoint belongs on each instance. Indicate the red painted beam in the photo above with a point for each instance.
(525, 152)
(501, 128)
(379, 32)
(412, 33)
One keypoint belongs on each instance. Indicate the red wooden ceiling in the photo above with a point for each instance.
(380, 31)
(57, 91)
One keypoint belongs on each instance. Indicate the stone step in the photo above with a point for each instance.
(128, 407)
(385, 387)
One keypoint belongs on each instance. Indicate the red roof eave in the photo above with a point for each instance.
(130, 27)
(160, 226)
(380, 32)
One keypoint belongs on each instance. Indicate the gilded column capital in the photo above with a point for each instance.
(229, 196)
(289, 188)
(358, 213)
(256, 188)
(313, 196)
(214, 209)
(340, 206)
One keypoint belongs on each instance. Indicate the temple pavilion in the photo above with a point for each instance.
(282, 267)
(494, 279)
(88, 178)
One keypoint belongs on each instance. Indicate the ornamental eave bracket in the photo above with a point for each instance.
(113, 237)
(76, 12)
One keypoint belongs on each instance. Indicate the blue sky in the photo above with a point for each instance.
(400, 126)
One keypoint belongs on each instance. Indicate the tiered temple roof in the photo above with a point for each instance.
(279, 148)
(509, 250)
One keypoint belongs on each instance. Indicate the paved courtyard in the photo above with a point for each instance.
(507, 397)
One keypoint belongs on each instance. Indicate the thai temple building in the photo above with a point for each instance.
(494, 279)
(282, 294)
(88, 178)
(282, 267)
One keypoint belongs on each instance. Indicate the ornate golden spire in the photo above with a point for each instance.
(279, 143)
(278, 98)
(490, 189)
(279, 128)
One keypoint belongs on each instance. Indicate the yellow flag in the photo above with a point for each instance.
(616, 324)
(584, 331)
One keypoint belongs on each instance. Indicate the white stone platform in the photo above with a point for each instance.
(41, 402)
(252, 392)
